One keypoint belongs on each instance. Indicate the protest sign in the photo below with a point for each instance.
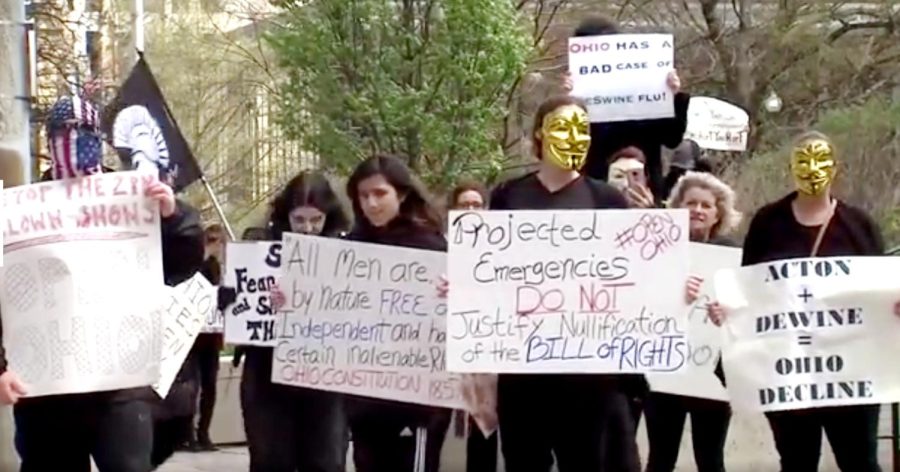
(808, 333)
(203, 297)
(252, 269)
(623, 76)
(366, 320)
(567, 291)
(697, 378)
(181, 323)
(717, 125)
(80, 284)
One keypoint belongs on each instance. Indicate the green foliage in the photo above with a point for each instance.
(427, 80)
(867, 138)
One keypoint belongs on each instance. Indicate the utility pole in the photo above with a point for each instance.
(15, 155)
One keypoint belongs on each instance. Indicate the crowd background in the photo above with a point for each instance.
(225, 66)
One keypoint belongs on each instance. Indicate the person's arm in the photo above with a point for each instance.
(182, 244)
(498, 198)
(671, 130)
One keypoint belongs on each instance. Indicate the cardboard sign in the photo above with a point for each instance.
(79, 289)
(698, 378)
(567, 291)
(252, 268)
(717, 125)
(623, 77)
(181, 324)
(203, 297)
(809, 333)
(364, 319)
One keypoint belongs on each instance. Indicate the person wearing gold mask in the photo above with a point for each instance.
(560, 415)
(811, 222)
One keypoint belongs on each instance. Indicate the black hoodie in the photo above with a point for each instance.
(402, 233)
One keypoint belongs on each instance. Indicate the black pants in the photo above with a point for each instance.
(290, 429)
(62, 433)
(665, 415)
(852, 432)
(481, 452)
(566, 416)
(206, 350)
(397, 439)
(168, 435)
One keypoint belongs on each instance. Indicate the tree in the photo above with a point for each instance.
(428, 80)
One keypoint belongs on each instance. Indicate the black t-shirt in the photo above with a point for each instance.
(775, 234)
(529, 193)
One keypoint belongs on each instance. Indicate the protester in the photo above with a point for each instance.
(627, 174)
(481, 450)
(647, 135)
(113, 426)
(712, 217)
(390, 208)
(565, 416)
(208, 346)
(294, 429)
(811, 222)
(686, 157)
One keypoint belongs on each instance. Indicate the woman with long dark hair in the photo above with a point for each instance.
(391, 208)
(812, 222)
(295, 429)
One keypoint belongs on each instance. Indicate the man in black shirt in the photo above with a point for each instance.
(647, 135)
(561, 415)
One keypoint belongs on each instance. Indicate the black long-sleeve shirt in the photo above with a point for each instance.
(647, 135)
(775, 234)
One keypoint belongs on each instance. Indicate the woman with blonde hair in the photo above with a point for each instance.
(712, 217)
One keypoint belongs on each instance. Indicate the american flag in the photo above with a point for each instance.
(74, 138)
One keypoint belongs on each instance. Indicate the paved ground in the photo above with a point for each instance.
(749, 449)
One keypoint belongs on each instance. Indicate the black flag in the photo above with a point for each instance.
(140, 88)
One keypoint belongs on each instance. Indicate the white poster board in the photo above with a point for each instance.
(252, 269)
(698, 378)
(79, 289)
(203, 297)
(717, 125)
(623, 77)
(181, 323)
(366, 320)
(567, 291)
(809, 333)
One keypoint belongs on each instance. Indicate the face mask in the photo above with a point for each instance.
(565, 137)
(813, 166)
(625, 172)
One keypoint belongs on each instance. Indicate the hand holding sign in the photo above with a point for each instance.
(11, 388)
(162, 194)
(693, 288)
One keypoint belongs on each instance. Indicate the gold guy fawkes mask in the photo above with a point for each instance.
(565, 137)
(813, 166)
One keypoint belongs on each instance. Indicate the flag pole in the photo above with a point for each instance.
(139, 25)
(217, 206)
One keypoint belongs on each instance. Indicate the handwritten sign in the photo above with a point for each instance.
(252, 268)
(623, 77)
(718, 125)
(79, 288)
(203, 297)
(567, 291)
(808, 333)
(181, 323)
(698, 378)
(365, 319)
